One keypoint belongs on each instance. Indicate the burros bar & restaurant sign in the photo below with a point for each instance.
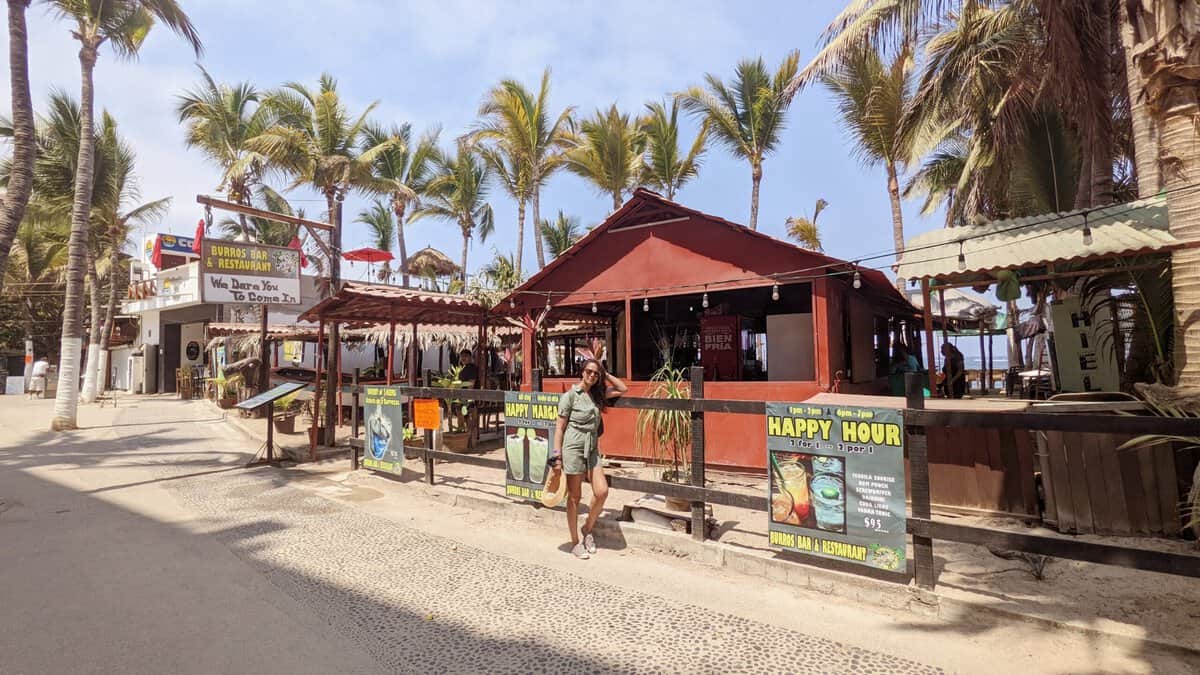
(234, 272)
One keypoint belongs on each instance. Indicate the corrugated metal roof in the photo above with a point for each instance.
(1121, 229)
(375, 303)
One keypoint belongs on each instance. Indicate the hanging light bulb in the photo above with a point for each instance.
(547, 302)
(646, 304)
(962, 259)
(857, 279)
(1087, 231)
(594, 308)
(775, 292)
(704, 300)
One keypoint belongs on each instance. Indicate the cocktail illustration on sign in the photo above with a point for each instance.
(379, 433)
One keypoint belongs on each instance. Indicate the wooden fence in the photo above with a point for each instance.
(918, 422)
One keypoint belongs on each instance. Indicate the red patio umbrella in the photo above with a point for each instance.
(367, 255)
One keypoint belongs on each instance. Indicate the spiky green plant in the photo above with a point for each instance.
(669, 432)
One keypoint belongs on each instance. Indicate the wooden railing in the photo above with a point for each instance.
(920, 524)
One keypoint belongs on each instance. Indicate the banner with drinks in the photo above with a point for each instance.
(384, 446)
(837, 487)
(529, 418)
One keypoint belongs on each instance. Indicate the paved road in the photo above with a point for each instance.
(142, 547)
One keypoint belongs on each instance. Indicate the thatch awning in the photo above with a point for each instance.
(430, 262)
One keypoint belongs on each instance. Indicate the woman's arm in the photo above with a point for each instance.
(615, 386)
(559, 429)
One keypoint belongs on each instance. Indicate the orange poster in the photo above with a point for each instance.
(427, 413)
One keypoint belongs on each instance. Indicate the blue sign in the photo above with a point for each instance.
(176, 245)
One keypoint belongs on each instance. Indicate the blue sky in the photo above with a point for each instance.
(431, 63)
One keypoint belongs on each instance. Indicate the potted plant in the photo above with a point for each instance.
(457, 438)
(286, 410)
(669, 432)
(227, 390)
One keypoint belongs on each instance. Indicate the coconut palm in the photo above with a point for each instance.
(513, 175)
(502, 273)
(560, 234)
(263, 230)
(20, 180)
(38, 266)
(520, 125)
(608, 151)
(405, 169)
(221, 119)
(747, 114)
(667, 169)
(382, 225)
(804, 230)
(458, 193)
(871, 98)
(123, 24)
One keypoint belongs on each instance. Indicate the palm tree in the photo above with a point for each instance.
(263, 230)
(20, 181)
(665, 170)
(804, 229)
(404, 169)
(221, 119)
(608, 152)
(561, 234)
(513, 174)
(458, 193)
(746, 115)
(39, 260)
(871, 99)
(380, 221)
(523, 128)
(502, 273)
(124, 24)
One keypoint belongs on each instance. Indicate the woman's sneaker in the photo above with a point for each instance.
(589, 543)
(580, 551)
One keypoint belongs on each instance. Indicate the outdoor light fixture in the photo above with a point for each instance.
(962, 259)
(857, 279)
(704, 300)
(593, 306)
(512, 303)
(646, 304)
(547, 302)
(1087, 231)
(775, 292)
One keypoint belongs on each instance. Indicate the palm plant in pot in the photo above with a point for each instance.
(286, 410)
(669, 432)
(227, 390)
(457, 438)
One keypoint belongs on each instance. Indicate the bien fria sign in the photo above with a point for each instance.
(232, 272)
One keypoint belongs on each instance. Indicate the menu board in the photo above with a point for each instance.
(529, 419)
(384, 446)
(837, 487)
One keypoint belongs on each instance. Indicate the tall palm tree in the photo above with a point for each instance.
(221, 119)
(561, 233)
(667, 169)
(405, 169)
(123, 24)
(746, 115)
(608, 151)
(521, 125)
(871, 99)
(458, 193)
(39, 261)
(502, 273)
(381, 223)
(804, 230)
(513, 175)
(20, 181)
(263, 230)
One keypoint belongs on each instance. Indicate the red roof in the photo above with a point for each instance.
(366, 304)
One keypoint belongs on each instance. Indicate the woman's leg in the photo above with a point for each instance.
(574, 493)
(599, 494)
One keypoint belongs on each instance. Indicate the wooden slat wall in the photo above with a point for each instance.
(983, 469)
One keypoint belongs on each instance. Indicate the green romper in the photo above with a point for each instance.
(580, 452)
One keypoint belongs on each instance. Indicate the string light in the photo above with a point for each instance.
(594, 308)
(547, 302)
(962, 259)
(512, 303)
(857, 279)
(1087, 231)
(646, 304)
(775, 292)
(704, 300)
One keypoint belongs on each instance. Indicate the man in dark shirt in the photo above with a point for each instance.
(470, 371)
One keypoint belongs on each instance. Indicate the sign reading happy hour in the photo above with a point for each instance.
(383, 449)
(529, 421)
(837, 486)
(233, 272)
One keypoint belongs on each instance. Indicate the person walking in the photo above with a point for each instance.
(576, 448)
(37, 378)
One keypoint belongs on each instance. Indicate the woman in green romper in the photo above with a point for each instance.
(576, 448)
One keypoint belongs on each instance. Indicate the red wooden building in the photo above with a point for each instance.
(768, 320)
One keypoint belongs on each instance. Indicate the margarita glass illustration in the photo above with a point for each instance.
(379, 433)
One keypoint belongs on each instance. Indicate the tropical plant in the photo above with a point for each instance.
(804, 230)
(382, 226)
(608, 151)
(457, 407)
(458, 192)
(502, 273)
(560, 234)
(35, 273)
(666, 169)
(669, 432)
(403, 172)
(20, 174)
(123, 24)
(747, 114)
(263, 230)
(1140, 323)
(221, 119)
(521, 127)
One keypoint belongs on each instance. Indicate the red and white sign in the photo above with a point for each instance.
(720, 350)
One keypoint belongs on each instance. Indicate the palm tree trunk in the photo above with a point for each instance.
(893, 185)
(1145, 129)
(756, 178)
(334, 201)
(466, 234)
(399, 208)
(20, 180)
(616, 201)
(88, 393)
(114, 267)
(65, 401)
(537, 230)
(520, 233)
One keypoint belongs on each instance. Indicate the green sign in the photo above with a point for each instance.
(529, 418)
(837, 485)
(383, 449)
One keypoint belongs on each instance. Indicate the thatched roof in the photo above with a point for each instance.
(430, 262)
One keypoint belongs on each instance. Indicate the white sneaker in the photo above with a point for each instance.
(589, 543)
(580, 552)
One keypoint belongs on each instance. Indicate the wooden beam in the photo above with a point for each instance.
(260, 213)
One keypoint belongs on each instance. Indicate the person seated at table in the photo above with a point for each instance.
(902, 362)
(469, 374)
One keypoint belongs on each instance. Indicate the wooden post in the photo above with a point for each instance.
(428, 441)
(628, 339)
(984, 383)
(338, 361)
(412, 358)
(391, 350)
(536, 380)
(333, 351)
(270, 428)
(697, 477)
(319, 359)
(528, 340)
(264, 363)
(918, 464)
(942, 304)
(931, 364)
(354, 419)
(991, 350)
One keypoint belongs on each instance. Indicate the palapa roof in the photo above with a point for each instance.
(360, 304)
(1037, 241)
(431, 262)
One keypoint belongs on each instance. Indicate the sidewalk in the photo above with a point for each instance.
(973, 585)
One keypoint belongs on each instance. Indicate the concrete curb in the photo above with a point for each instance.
(864, 590)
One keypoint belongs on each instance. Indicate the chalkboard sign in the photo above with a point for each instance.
(271, 395)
